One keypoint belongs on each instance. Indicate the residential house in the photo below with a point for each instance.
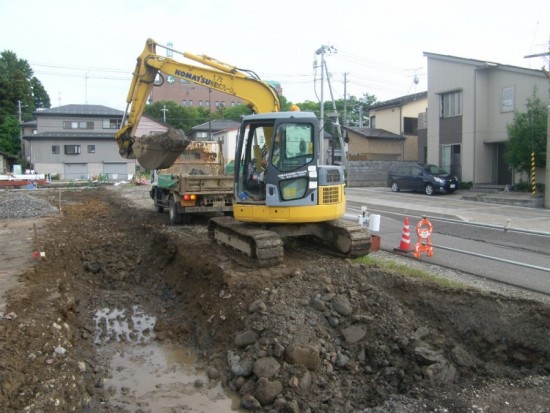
(470, 104)
(222, 130)
(76, 142)
(400, 116)
(371, 152)
(370, 144)
(6, 163)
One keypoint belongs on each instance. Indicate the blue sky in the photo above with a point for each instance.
(84, 51)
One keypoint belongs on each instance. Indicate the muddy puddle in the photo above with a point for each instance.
(148, 376)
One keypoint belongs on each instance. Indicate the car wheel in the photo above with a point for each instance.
(175, 217)
(429, 189)
(395, 187)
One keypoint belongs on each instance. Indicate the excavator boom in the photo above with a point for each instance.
(282, 188)
(161, 151)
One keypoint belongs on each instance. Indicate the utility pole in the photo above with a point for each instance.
(343, 154)
(321, 51)
(210, 114)
(345, 120)
(547, 174)
(20, 116)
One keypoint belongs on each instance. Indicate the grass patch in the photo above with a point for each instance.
(410, 272)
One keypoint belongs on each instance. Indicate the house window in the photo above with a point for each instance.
(91, 148)
(410, 126)
(217, 104)
(451, 104)
(508, 96)
(372, 122)
(200, 103)
(190, 102)
(55, 149)
(112, 123)
(183, 103)
(74, 124)
(72, 149)
(207, 103)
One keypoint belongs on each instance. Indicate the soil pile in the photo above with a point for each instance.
(315, 334)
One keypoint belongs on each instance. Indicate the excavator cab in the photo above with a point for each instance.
(280, 179)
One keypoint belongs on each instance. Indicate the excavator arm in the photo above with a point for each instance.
(160, 151)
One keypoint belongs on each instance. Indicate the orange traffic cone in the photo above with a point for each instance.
(405, 244)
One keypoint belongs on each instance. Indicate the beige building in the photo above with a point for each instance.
(370, 144)
(400, 116)
(470, 103)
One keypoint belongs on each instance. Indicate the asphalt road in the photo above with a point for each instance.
(468, 236)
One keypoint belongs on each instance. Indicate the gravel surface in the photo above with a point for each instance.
(18, 205)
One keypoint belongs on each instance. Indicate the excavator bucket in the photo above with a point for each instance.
(160, 151)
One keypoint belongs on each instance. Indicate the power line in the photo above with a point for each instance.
(95, 69)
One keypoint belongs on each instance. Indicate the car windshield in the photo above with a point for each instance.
(436, 170)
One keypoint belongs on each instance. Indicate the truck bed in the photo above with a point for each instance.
(198, 184)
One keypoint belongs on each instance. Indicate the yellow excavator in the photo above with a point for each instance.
(281, 187)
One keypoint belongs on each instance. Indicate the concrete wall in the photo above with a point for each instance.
(368, 173)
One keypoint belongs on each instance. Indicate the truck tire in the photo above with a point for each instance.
(175, 217)
(156, 195)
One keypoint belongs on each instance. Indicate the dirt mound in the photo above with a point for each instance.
(317, 333)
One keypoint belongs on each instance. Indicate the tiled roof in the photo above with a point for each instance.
(82, 110)
(374, 133)
(217, 125)
(69, 135)
(400, 101)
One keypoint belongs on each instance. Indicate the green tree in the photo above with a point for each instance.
(20, 94)
(10, 135)
(232, 113)
(526, 134)
(175, 115)
(352, 105)
(41, 99)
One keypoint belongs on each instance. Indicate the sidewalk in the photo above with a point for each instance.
(506, 209)
(524, 199)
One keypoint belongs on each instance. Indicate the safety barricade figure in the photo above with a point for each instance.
(424, 231)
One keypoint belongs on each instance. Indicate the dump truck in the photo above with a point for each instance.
(194, 184)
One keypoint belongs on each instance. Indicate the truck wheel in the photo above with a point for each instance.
(175, 217)
(156, 195)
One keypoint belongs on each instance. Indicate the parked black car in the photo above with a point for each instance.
(426, 178)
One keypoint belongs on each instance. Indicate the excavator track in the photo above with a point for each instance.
(262, 246)
(345, 238)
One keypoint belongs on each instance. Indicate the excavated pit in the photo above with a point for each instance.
(126, 313)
